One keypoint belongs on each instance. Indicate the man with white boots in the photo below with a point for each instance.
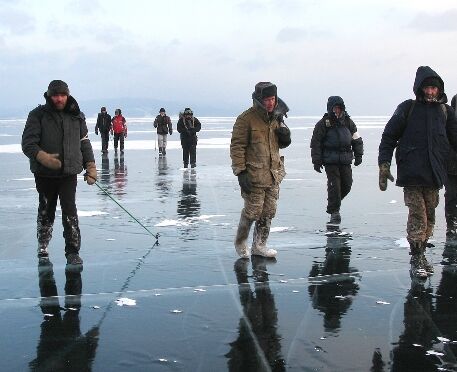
(257, 136)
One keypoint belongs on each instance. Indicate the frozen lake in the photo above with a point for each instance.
(189, 303)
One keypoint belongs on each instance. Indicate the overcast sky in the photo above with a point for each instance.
(214, 51)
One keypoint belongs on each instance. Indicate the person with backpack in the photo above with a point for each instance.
(450, 194)
(334, 144)
(188, 126)
(420, 131)
(56, 141)
(164, 127)
(103, 126)
(119, 129)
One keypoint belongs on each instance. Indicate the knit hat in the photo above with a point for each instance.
(431, 82)
(162, 109)
(188, 111)
(57, 87)
(265, 89)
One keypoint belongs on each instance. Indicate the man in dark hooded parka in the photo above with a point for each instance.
(421, 131)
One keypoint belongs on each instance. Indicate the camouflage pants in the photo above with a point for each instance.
(421, 202)
(261, 202)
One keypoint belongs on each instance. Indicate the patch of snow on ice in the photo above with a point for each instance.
(280, 229)
(382, 303)
(392, 202)
(443, 339)
(403, 242)
(90, 213)
(176, 311)
(433, 352)
(124, 301)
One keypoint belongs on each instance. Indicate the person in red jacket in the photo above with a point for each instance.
(119, 129)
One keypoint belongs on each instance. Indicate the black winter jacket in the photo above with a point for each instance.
(57, 132)
(333, 140)
(163, 124)
(423, 140)
(188, 130)
(103, 123)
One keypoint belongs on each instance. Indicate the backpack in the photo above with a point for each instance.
(411, 108)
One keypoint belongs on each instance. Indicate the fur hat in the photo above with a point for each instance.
(162, 109)
(265, 89)
(57, 87)
(188, 111)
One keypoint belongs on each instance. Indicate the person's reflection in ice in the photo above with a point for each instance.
(105, 175)
(61, 346)
(188, 203)
(120, 174)
(427, 318)
(410, 354)
(258, 346)
(333, 283)
(163, 183)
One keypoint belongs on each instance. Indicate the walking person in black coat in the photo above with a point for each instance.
(421, 131)
(334, 144)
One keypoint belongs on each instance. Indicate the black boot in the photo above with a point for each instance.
(72, 237)
(164, 152)
(417, 265)
(335, 218)
(44, 235)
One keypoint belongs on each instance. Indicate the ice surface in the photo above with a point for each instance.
(313, 308)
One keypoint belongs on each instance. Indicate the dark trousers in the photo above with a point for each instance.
(49, 189)
(450, 200)
(63, 188)
(105, 140)
(189, 151)
(339, 183)
(119, 137)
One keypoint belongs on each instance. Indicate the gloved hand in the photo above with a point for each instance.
(384, 175)
(170, 132)
(358, 160)
(318, 167)
(283, 134)
(50, 161)
(245, 182)
(91, 173)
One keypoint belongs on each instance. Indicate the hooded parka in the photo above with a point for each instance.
(332, 141)
(421, 137)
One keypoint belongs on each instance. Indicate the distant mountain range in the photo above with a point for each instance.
(136, 107)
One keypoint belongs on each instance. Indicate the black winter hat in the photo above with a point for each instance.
(265, 89)
(57, 87)
(431, 82)
(188, 111)
(162, 109)
(103, 109)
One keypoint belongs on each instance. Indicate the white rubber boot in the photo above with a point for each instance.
(259, 242)
(242, 235)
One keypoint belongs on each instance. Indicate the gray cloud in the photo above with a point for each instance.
(440, 22)
(16, 22)
(251, 7)
(298, 34)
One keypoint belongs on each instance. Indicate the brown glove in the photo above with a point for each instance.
(384, 175)
(91, 173)
(50, 161)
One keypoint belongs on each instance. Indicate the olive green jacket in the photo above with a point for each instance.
(254, 147)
